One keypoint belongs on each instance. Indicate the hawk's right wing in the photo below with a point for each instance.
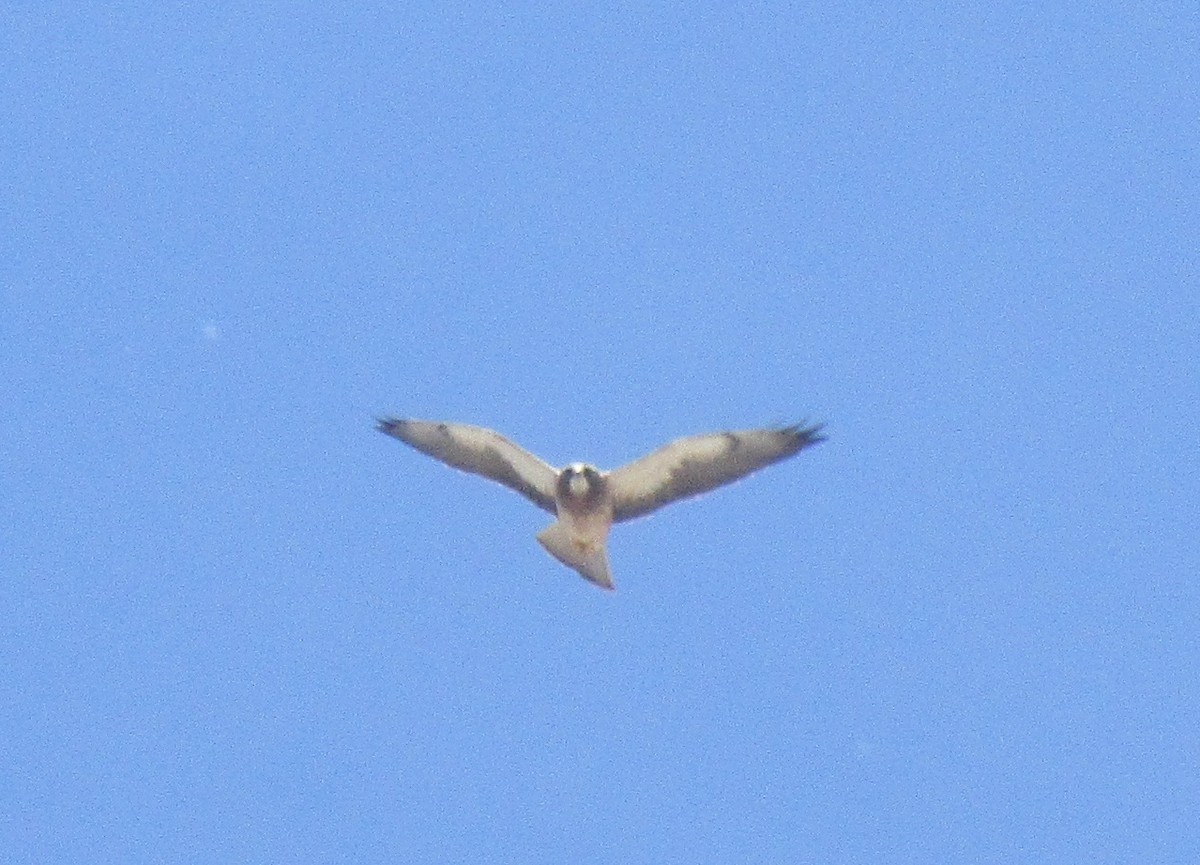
(480, 451)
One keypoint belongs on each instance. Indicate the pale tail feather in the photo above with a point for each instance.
(589, 559)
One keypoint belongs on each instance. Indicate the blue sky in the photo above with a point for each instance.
(242, 626)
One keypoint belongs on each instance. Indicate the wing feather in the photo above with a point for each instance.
(479, 451)
(696, 464)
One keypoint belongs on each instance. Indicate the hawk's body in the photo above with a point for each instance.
(588, 501)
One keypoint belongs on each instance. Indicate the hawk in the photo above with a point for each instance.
(587, 501)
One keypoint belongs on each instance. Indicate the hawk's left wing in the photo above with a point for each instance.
(481, 451)
(693, 465)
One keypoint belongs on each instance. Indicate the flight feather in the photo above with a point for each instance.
(695, 464)
(479, 451)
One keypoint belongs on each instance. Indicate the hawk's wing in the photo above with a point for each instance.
(693, 465)
(481, 451)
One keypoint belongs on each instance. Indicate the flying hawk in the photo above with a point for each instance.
(588, 501)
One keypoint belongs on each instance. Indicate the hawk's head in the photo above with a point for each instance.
(580, 483)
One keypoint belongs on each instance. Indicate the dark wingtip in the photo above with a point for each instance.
(388, 425)
(806, 435)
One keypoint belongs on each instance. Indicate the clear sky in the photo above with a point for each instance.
(239, 625)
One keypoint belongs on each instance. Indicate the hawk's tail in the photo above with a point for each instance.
(586, 557)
